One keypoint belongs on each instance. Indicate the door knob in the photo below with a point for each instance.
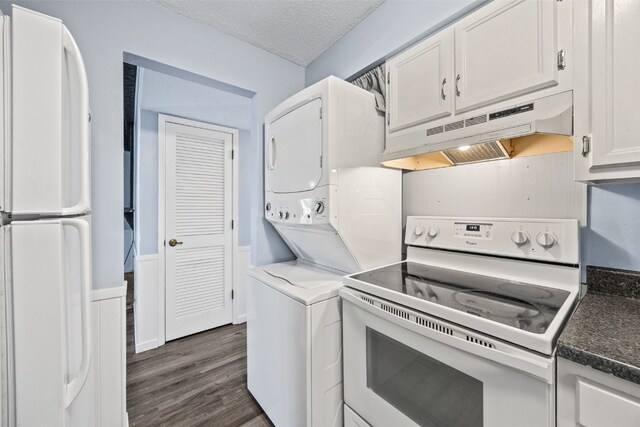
(174, 242)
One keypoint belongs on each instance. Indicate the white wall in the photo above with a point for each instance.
(104, 30)
(527, 187)
(389, 28)
(147, 171)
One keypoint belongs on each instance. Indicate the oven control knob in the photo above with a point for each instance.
(546, 240)
(419, 230)
(520, 238)
(318, 207)
(433, 232)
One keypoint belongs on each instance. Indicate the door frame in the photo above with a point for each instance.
(163, 119)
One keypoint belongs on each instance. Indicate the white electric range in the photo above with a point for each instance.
(463, 331)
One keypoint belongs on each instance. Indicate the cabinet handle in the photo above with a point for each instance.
(586, 145)
(444, 82)
(457, 89)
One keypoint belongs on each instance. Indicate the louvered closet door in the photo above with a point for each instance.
(198, 216)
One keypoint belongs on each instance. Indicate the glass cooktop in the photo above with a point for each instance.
(521, 305)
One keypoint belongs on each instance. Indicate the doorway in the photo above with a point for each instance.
(222, 118)
(129, 79)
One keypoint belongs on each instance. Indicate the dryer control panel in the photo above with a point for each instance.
(297, 209)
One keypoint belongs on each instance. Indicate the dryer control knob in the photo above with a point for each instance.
(419, 230)
(546, 240)
(286, 215)
(520, 238)
(318, 207)
(268, 206)
(281, 214)
(433, 232)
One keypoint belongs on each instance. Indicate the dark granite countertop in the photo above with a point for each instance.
(604, 331)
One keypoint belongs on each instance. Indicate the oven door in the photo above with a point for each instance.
(402, 368)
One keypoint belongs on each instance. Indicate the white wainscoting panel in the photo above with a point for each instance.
(243, 257)
(146, 303)
(109, 355)
(528, 187)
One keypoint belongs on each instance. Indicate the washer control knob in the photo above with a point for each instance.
(268, 206)
(318, 207)
(433, 232)
(520, 238)
(546, 240)
(281, 214)
(286, 215)
(419, 230)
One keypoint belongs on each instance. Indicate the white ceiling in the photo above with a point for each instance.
(297, 30)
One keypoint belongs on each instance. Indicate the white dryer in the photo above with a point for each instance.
(325, 191)
(339, 212)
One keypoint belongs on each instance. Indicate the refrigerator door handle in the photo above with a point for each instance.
(81, 143)
(74, 387)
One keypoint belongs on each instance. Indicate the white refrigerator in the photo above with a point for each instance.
(45, 235)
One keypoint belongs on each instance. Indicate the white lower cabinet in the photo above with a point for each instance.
(590, 398)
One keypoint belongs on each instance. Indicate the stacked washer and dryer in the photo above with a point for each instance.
(338, 212)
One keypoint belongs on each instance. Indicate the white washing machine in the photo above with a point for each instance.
(339, 213)
(295, 343)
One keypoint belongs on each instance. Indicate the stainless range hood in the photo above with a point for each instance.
(541, 126)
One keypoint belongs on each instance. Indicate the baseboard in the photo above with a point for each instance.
(240, 319)
(147, 345)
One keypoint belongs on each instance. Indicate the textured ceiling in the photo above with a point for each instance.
(297, 30)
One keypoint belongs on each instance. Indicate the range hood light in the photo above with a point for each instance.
(481, 152)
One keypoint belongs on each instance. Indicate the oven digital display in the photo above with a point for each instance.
(473, 227)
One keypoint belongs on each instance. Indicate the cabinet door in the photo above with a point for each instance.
(615, 71)
(506, 49)
(590, 398)
(420, 83)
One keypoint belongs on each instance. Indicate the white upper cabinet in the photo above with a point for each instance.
(420, 83)
(607, 143)
(506, 54)
(504, 50)
(616, 67)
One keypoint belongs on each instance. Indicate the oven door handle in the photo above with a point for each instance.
(534, 365)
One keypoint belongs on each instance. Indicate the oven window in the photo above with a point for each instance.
(426, 390)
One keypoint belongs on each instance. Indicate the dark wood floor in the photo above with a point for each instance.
(198, 380)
